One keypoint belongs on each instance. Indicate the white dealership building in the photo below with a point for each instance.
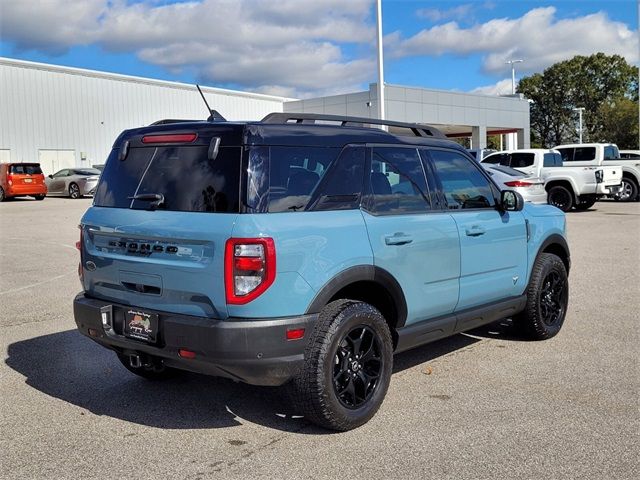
(63, 117)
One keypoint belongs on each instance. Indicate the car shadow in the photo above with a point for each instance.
(72, 368)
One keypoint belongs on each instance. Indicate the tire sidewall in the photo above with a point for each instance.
(563, 191)
(634, 190)
(550, 264)
(71, 193)
(354, 315)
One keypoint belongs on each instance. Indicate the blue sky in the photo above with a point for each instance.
(305, 48)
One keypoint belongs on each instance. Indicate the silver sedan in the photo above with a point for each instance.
(73, 182)
(531, 188)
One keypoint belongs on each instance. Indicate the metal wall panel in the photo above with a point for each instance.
(46, 107)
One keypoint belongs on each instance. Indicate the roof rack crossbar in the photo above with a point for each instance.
(419, 130)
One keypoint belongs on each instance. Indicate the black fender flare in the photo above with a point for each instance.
(360, 273)
(556, 239)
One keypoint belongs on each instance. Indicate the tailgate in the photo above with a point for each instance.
(181, 271)
(611, 175)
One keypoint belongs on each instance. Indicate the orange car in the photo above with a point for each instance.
(20, 180)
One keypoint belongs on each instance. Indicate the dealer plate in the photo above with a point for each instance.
(141, 325)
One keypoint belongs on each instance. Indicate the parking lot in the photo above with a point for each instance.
(480, 405)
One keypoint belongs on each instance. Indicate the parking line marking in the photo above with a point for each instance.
(36, 284)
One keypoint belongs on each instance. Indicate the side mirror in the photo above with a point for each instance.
(511, 201)
(50, 175)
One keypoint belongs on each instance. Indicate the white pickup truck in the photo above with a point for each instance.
(600, 154)
(566, 187)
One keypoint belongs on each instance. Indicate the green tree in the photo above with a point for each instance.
(590, 82)
(620, 123)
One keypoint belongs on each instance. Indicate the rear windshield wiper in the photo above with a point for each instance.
(156, 199)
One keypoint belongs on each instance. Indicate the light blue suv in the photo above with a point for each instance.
(305, 250)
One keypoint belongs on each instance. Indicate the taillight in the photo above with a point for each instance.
(249, 268)
(10, 179)
(599, 176)
(518, 183)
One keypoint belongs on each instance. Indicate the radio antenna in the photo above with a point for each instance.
(214, 116)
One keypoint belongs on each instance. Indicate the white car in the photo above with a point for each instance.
(531, 188)
(567, 187)
(630, 154)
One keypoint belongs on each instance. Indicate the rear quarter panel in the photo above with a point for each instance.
(311, 248)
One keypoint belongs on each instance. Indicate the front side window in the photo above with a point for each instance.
(462, 183)
(397, 183)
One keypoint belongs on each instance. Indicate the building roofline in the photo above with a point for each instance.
(133, 79)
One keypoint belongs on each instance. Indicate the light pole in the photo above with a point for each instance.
(380, 61)
(579, 110)
(513, 74)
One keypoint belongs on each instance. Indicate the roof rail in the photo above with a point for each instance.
(418, 129)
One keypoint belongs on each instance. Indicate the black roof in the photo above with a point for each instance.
(278, 129)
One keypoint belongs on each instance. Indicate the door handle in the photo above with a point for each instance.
(398, 238)
(475, 231)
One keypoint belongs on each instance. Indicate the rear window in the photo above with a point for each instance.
(183, 175)
(26, 169)
(611, 152)
(86, 172)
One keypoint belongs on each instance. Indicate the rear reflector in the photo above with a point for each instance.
(518, 183)
(184, 353)
(171, 138)
(295, 334)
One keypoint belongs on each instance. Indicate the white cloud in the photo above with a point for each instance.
(289, 46)
(501, 87)
(538, 37)
(437, 14)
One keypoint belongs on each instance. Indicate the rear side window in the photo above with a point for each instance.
(463, 184)
(285, 179)
(521, 160)
(497, 159)
(183, 175)
(584, 154)
(26, 169)
(566, 154)
(397, 182)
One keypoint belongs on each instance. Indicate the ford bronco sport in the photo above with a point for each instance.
(305, 250)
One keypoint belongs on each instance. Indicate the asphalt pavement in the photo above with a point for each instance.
(481, 405)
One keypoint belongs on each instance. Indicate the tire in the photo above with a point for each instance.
(74, 191)
(156, 372)
(2, 197)
(547, 299)
(585, 205)
(629, 190)
(560, 197)
(335, 388)
(39, 197)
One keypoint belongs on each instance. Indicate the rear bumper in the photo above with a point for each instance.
(20, 190)
(253, 351)
(609, 189)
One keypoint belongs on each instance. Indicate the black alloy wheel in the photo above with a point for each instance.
(561, 198)
(553, 298)
(358, 365)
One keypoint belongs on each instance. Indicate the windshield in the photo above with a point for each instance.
(87, 172)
